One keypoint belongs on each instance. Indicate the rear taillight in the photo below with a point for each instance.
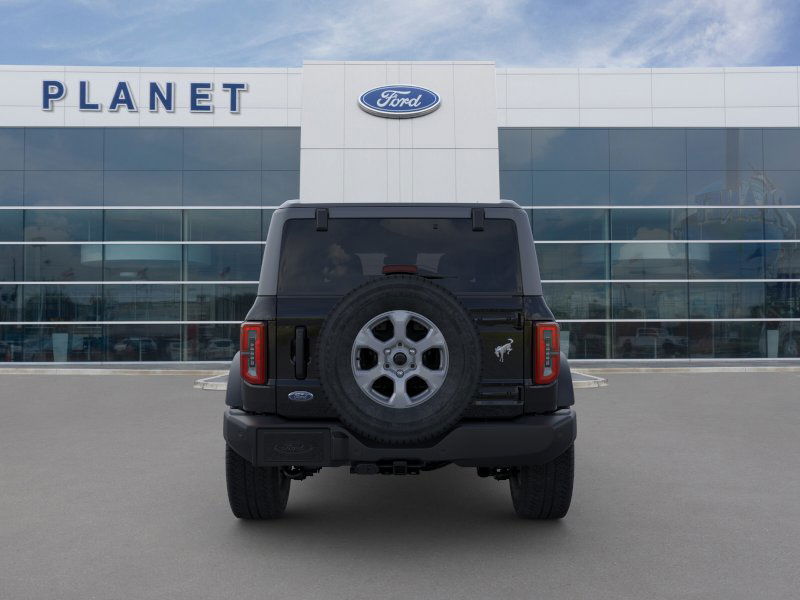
(546, 354)
(253, 352)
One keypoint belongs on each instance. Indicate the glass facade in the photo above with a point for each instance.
(664, 243)
(135, 244)
(144, 244)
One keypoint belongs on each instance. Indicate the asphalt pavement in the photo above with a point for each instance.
(687, 486)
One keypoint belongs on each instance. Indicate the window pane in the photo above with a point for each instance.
(570, 224)
(212, 188)
(726, 300)
(781, 223)
(62, 343)
(73, 262)
(239, 262)
(62, 302)
(570, 187)
(10, 307)
(570, 149)
(10, 225)
(221, 148)
(783, 261)
(219, 302)
(649, 224)
(649, 300)
(64, 188)
(11, 188)
(12, 148)
(782, 148)
(63, 225)
(584, 340)
(648, 187)
(143, 342)
(727, 340)
(11, 263)
(143, 225)
(11, 340)
(648, 149)
(651, 339)
(514, 147)
(726, 224)
(66, 148)
(279, 186)
(783, 187)
(784, 341)
(648, 261)
(266, 217)
(142, 302)
(577, 300)
(783, 299)
(726, 261)
(143, 188)
(731, 188)
(573, 261)
(223, 225)
(280, 147)
(211, 342)
(724, 149)
(153, 262)
(517, 186)
(143, 148)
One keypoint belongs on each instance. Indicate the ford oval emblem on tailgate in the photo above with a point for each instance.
(300, 396)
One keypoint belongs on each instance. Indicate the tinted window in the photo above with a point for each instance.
(354, 250)
(11, 188)
(143, 262)
(648, 149)
(222, 148)
(726, 224)
(573, 261)
(61, 302)
(280, 148)
(212, 188)
(234, 262)
(570, 187)
(638, 300)
(11, 263)
(63, 188)
(143, 342)
(731, 188)
(143, 188)
(73, 148)
(517, 186)
(10, 304)
(279, 186)
(782, 148)
(584, 340)
(142, 302)
(648, 261)
(648, 224)
(211, 342)
(650, 339)
(10, 225)
(570, 149)
(723, 149)
(223, 225)
(514, 147)
(142, 225)
(63, 225)
(62, 343)
(781, 223)
(726, 340)
(726, 300)
(577, 300)
(726, 261)
(12, 144)
(219, 302)
(68, 262)
(782, 261)
(648, 187)
(570, 224)
(145, 148)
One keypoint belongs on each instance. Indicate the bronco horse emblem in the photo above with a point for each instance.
(501, 351)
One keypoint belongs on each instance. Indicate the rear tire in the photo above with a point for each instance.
(255, 492)
(544, 491)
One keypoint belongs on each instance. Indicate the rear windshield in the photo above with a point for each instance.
(352, 251)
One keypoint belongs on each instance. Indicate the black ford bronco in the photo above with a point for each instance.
(399, 338)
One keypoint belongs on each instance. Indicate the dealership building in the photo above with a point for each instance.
(134, 202)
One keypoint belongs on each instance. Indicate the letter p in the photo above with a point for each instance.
(51, 91)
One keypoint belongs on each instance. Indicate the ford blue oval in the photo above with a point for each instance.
(399, 101)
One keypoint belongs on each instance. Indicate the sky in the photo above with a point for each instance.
(580, 33)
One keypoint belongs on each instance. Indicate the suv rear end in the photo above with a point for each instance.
(396, 339)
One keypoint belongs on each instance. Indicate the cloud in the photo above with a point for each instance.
(587, 33)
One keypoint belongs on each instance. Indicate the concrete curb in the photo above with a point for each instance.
(57, 371)
(696, 370)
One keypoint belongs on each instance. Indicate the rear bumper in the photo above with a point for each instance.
(266, 440)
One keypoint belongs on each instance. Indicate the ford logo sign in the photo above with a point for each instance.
(399, 101)
(300, 396)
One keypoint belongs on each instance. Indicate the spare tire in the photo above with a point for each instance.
(399, 359)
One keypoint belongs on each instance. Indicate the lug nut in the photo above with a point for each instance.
(413, 366)
(400, 373)
(387, 351)
(385, 365)
(412, 351)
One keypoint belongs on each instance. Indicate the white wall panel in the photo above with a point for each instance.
(543, 90)
(623, 90)
(366, 175)
(693, 90)
(328, 167)
(760, 89)
(616, 117)
(542, 117)
(477, 175)
(434, 175)
(689, 117)
(362, 130)
(474, 96)
(436, 130)
(775, 116)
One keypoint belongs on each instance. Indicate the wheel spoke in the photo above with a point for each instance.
(365, 378)
(399, 319)
(367, 339)
(400, 398)
(433, 377)
(433, 339)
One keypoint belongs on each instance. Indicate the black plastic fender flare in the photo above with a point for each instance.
(566, 394)
(233, 393)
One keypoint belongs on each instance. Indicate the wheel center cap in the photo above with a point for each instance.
(400, 359)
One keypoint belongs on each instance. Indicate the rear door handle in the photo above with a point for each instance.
(300, 355)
